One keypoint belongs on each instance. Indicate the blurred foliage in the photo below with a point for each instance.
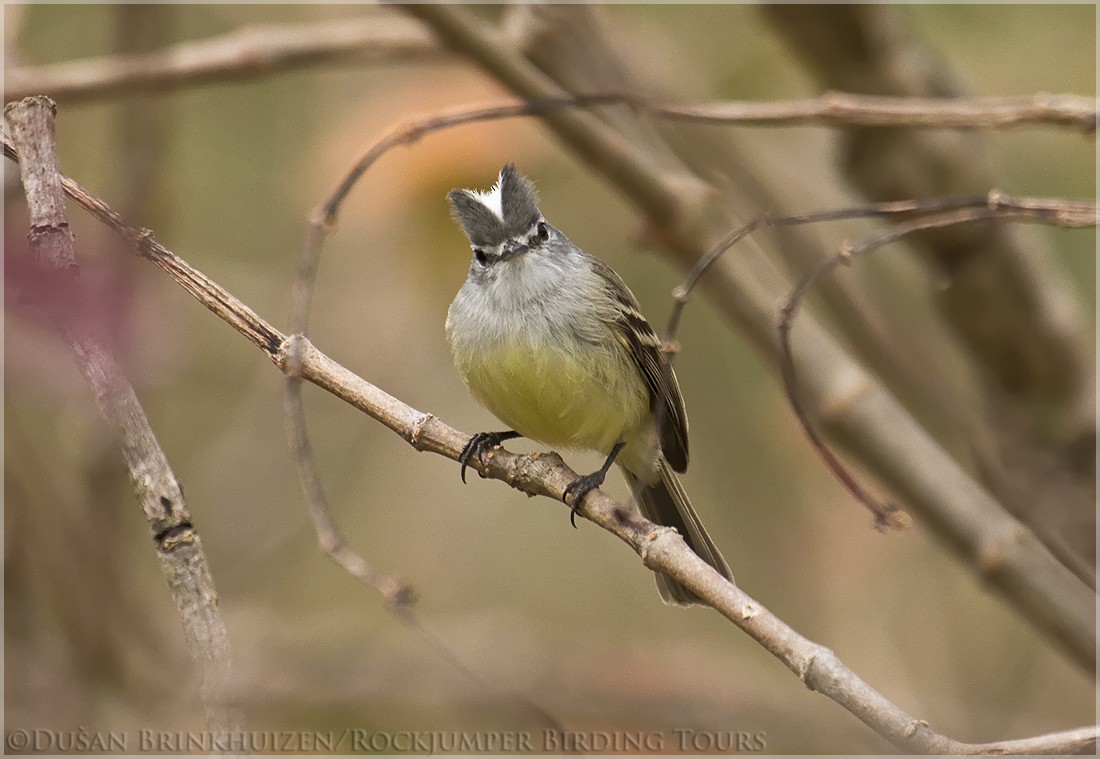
(565, 617)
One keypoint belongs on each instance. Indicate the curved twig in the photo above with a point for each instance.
(995, 206)
(945, 211)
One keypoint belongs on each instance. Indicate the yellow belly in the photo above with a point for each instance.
(590, 399)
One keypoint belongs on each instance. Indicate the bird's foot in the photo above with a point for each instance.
(481, 443)
(582, 486)
(579, 488)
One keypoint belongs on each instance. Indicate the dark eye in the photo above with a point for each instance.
(541, 232)
(480, 257)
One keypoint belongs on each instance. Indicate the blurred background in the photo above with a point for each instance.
(225, 174)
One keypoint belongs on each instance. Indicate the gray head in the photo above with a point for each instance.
(503, 222)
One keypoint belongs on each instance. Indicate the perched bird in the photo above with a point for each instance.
(552, 341)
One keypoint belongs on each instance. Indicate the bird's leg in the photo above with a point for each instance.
(479, 444)
(580, 487)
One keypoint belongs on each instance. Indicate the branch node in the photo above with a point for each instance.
(418, 429)
(914, 727)
(804, 670)
(643, 547)
(143, 241)
(288, 356)
(175, 536)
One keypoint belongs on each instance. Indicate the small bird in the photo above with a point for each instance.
(552, 341)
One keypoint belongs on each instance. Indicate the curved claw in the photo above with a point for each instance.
(579, 488)
(583, 485)
(478, 444)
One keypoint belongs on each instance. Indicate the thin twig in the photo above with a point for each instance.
(995, 206)
(842, 109)
(183, 561)
(660, 548)
(397, 594)
(409, 132)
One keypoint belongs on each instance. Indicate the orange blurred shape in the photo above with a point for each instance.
(470, 154)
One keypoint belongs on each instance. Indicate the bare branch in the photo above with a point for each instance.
(660, 548)
(407, 133)
(1079, 741)
(397, 594)
(31, 124)
(995, 206)
(248, 53)
(841, 109)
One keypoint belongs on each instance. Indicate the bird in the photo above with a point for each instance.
(552, 341)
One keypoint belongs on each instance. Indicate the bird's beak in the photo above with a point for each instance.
(512, 249)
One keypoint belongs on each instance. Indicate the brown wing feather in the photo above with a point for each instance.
(664, 391)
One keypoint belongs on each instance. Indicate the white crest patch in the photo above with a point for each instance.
(491, 199)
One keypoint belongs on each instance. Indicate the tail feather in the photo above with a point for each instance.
(666, 503)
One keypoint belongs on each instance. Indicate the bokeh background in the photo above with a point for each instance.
(225, 174)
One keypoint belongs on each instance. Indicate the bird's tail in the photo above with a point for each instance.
(666, 503)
